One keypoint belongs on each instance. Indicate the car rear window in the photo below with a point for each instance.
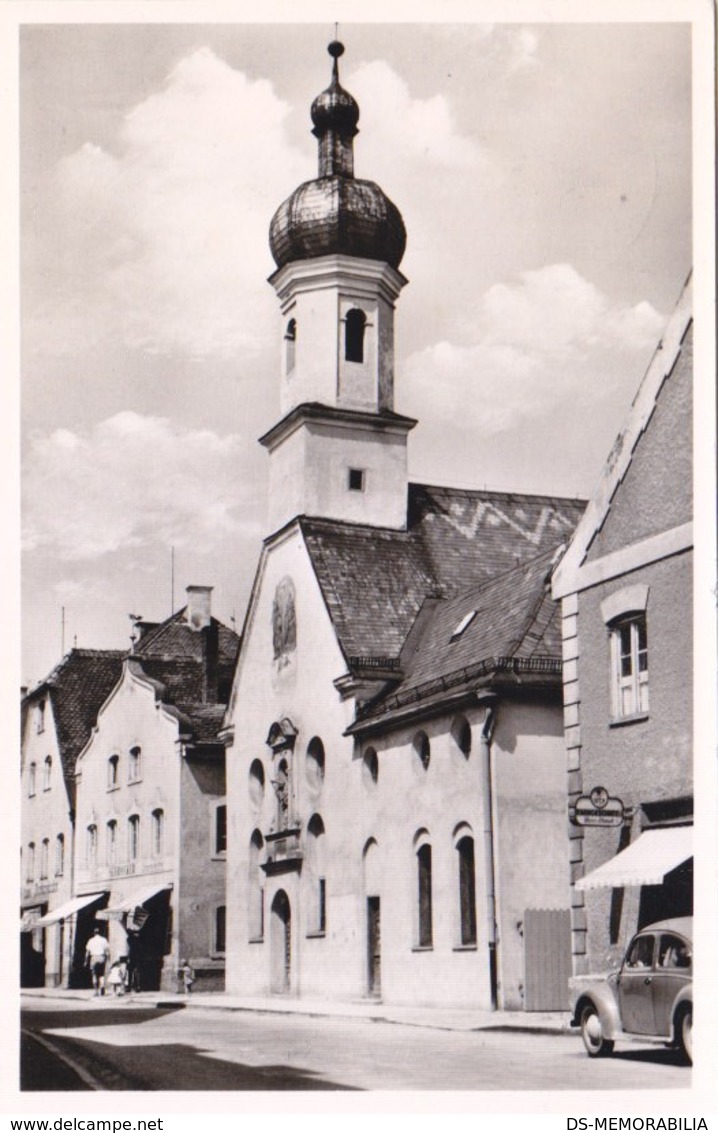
(673, 952)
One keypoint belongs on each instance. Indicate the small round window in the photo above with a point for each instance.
(315, 764)
(256, 784)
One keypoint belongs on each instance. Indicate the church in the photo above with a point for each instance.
(396, 781)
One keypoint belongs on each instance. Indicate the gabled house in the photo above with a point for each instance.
(371, 695)
(151, 807)
(56, 721)
(625, 585)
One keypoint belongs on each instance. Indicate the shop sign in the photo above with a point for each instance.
(598, 809)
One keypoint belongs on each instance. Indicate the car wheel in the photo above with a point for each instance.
(684, 1034)
(592, 1033)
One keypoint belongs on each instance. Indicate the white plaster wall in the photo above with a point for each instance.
(532, 866)
(302, 689)
(130, 718)
(406, 799)
(309, 476)
(45, 814)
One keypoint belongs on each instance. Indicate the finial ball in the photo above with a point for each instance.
(335, 48)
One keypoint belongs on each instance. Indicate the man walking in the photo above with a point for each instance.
(97, 954)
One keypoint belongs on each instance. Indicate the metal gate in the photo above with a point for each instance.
(547, 959)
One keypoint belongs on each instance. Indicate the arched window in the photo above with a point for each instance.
(113, 765)
(290, 337)
(32, 779)
(461, 733)
(158, 832)
(134, 771)
(40, 717)
(255, 918)
(316, 875)
(91, 846)
(370, 767)
(30, 874)
(59, 855)
(422, 747)
(354, 327)
(133, 837)
(425, 934)
(256, 784)
(44, 858)
(47, 773)
(315, 764)
(112, 842)
(467, 889)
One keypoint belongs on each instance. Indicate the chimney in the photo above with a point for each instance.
(199, 606)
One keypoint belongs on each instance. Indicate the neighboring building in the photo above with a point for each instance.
(151, 808)
(626, 590)
(394, 759)
(57, 718)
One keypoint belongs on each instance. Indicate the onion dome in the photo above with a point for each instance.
(337, 213)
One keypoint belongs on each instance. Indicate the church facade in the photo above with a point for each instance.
(394, 736)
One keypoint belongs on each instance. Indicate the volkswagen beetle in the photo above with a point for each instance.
(648, 999)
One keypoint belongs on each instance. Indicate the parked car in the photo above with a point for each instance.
(648, 999)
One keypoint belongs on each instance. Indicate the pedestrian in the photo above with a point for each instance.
(133, 960)
(97, 953)
(186, 976)
(117, 975)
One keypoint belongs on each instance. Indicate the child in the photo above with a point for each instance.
(117, 978)
(186, 975)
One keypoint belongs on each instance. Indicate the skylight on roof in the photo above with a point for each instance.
(465, 621)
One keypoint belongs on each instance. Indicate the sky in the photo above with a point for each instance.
(543, 171)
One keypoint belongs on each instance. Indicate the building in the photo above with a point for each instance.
(151, 807)
(394, 734)
(57, 718)
(625, 586)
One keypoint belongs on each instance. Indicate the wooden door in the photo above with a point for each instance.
(374, 945)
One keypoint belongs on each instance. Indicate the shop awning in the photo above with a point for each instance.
(646, 862)
(63, 911)
(122, 905)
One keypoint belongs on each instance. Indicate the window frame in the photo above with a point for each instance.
(629, 668)
(133, 838)
(423, 857)
(47, 773)
(60, 855)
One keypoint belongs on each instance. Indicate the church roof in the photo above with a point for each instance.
(375, 580)
(507, 626)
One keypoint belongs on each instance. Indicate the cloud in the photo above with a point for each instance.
(551, 341)
(131, 482)
(522, 50)
(163, 240)
(407, 127)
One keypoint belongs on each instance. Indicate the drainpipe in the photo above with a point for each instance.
(489, 701)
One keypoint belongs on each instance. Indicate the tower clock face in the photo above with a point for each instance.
(284, 621)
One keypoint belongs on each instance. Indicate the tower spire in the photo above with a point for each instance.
(335, 115)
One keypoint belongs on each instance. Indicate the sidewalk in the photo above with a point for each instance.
(438, 1018)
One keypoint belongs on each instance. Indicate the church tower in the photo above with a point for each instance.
(339, 450)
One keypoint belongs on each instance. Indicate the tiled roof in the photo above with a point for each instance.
(78, 687)
(175, 639)
(375, 580)
(509, 623)
(206, 720)
(179, 658)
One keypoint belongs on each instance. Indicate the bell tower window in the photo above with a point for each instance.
(290, 339)
(354, 327)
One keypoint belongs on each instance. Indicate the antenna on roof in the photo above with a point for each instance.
(172, 581)
(62, 631)
(233, 619)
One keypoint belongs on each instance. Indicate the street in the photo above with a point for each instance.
(116, 1045)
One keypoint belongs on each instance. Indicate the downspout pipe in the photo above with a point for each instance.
(489, 702)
